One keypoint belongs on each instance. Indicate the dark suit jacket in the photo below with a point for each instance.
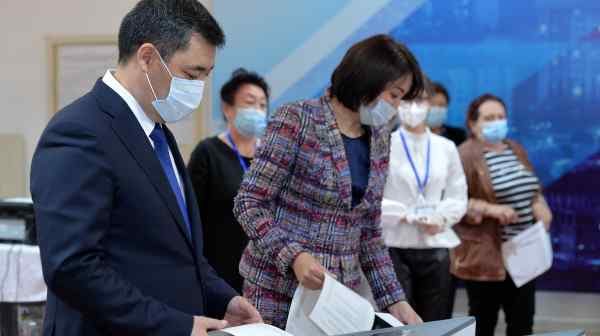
(115, 251)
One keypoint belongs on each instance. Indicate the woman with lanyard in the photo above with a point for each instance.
(217, 166)
(311, 202)
(425, 195)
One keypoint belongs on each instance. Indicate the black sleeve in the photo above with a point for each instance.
(219, 293)
(72, 187)
(457, 135)
(199, 170)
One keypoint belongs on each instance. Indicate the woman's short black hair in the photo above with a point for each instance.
(438, 88)
(369, 66)
(239, 78)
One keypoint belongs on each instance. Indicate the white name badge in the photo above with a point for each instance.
(424, 210)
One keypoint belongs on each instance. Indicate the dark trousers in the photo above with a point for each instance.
(425, 277)
(451, 296)
(487, 297)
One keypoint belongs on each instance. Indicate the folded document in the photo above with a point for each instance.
(528, 254)
(333, 310)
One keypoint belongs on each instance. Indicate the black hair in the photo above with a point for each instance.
(368, 66)
(168, 25)
(438, 88)
(239, 78)
(427, 91)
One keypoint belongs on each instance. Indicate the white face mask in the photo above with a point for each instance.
(413, 114)
(184, 97)
(378, 114)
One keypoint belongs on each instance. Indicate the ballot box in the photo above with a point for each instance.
(577, 332)
(464, 326)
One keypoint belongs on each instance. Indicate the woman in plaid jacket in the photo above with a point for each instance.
(311, 202)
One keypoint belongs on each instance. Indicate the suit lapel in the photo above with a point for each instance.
(190, 195)
(329, 134)
(128, 129)
(379, 148)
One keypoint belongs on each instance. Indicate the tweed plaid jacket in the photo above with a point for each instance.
(296, 197)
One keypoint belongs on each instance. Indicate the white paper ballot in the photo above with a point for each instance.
(298, 323)
(339, 310)
(528, 254)
(257, 329)
(390, 319)
(333, 310)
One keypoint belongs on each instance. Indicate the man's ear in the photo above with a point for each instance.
(145, 56)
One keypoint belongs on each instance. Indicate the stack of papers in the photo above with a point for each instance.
(528, 254)
(257, 329)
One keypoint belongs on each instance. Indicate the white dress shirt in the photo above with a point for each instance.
(145, 122)
(446, 191)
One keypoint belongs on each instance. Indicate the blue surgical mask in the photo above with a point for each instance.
(494, 131)
(437, 116)
(184, 97)
(250, 122)
(378, 114)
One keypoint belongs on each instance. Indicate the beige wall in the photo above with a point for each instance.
(12, 147)
(24, 66)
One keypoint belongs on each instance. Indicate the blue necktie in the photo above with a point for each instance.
(161, 147)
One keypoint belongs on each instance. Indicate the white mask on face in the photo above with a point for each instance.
(413, 114)
(184, 97)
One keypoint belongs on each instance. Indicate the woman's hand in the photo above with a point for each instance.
(541, 211)
(432, 225)
(404, 313)
(503, 213)
(431, 230)
(309, 272)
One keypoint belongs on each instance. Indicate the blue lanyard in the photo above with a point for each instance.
(237, 153)
(422, 184)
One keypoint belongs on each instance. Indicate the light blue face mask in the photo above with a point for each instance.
(184, 97)
(250, 122)
(494, 131)
(377, 115)
(437, 116)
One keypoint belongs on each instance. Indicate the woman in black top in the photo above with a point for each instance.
(217, 166)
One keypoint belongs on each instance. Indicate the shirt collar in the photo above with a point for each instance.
(411, 137)
(145, 122)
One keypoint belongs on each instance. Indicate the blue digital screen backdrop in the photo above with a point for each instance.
(541, 56)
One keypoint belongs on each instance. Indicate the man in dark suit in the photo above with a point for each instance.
(118, 223)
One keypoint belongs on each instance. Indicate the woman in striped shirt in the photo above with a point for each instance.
(504, 199)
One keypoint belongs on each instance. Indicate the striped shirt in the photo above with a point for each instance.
(515, 186)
